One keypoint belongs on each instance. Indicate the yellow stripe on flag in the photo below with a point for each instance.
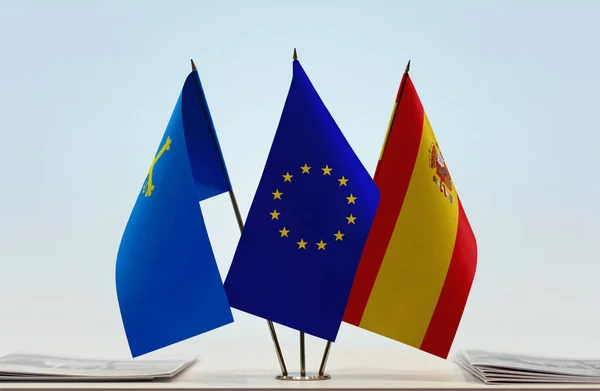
(414, 268)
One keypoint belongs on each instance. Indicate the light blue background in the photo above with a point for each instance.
(511, 89)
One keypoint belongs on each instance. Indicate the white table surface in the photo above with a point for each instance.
(373, 369)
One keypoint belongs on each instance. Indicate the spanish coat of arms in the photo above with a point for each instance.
(442, 176)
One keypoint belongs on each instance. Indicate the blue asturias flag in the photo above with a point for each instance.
(168, 284)
(307, 225)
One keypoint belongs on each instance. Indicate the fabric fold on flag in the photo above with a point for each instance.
(307, 224)
(168, 285)
(420, 258)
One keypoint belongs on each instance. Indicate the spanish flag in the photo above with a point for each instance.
(420, 257)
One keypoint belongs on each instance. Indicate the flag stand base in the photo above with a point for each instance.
(298, 377)
(303, 375)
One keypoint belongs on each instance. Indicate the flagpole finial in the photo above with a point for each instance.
(295, 54)
(193, 65)
(407, 67)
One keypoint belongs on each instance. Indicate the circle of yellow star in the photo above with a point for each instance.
(305, 169)
(343, 181)
(351, 219)
(277, 195)
(351, 199)
(301, 244)
(321, 245)
(274, 214)
(338, 235)
(287, 177)
(327, 170)
(284, 232)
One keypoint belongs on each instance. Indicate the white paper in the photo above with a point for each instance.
(495, 368)
(36, 367)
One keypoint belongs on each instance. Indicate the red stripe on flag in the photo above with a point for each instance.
(455, 292)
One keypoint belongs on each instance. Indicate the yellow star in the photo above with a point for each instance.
(287, 177)
(343, 181)
(327, 170)
(339, 235)
(321, 245)
(305, 169)
(284, 232)
(301, 244)
(351, 219)
(351, 199)
(274, 214)
(277, 195)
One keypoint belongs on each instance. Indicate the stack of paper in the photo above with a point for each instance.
(497, 368)
(28, 367)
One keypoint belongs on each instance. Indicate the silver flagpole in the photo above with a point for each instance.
(240, 221)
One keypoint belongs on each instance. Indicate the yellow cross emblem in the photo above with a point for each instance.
(149, 186)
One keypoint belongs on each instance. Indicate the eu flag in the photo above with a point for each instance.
(307, 225)
(168, 284)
